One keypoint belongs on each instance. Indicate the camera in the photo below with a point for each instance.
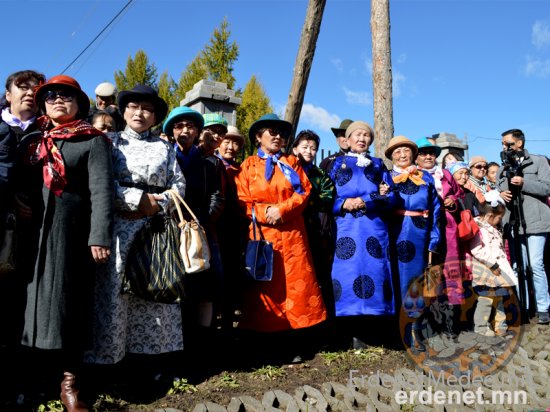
(511, 158)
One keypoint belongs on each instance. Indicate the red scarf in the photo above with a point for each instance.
(44, 149)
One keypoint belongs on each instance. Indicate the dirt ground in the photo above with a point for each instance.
(226, 366)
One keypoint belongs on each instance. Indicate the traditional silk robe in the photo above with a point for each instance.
(126, 323)
(292, 299)
(415, 235)
(361, 271)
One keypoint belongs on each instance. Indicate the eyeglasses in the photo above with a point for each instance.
(424, 154)
(274, 132)
(144, 109)
(183, 125)
(480, 167)
(51, 96)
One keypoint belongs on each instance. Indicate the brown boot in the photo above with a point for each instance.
(69, 395)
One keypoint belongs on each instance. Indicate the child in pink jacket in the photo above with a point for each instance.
(493, 277)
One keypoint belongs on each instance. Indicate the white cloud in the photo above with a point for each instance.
(398, 79)
(402, 58)
(361, 98)
(540, 36)
(318, 117)
(537, 67)
(338, 64)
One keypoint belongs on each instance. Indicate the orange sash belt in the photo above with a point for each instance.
(423, 213)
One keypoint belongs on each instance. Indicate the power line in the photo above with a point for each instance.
(499, 139)
(96, 37)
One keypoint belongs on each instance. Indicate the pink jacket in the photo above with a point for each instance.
(487, 248)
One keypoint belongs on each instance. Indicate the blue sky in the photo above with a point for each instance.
(470, 67)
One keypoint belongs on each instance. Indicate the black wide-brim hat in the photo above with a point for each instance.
(143, 92)
(266, 121)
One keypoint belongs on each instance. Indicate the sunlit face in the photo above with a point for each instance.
(494, 219)
(360, 140)
(270, 140)
(402, 156)
(479, 170)
(306, 150)
(185, 131)
(461, 176)
(218, 132)
(61, 106)
(426, 158)
(342, 141)
(492, 173)
(229, 148)
(104, 123)
(140, 116)
(102, 102)
(21, 99)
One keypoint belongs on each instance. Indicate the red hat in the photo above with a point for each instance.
(68, 83)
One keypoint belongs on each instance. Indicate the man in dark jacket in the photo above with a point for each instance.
(340, 134)
(526, 178)
(105, 100)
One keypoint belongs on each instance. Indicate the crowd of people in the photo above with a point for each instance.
(350, 236)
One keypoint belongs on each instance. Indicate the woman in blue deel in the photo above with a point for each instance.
(361, 272)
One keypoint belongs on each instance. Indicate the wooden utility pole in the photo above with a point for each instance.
(381, 75)
(304, 60)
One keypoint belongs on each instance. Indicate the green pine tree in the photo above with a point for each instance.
(255, 103)
(166, 90)
(138, 71)
(220, 55)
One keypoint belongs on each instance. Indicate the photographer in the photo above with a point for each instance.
(525, 178)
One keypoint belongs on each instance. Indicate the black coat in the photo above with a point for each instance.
(59, 297)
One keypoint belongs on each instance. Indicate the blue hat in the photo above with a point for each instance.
(210, 119)
(269, 120)
(179, 113)
(455, 167)
(147, 93)
(423, 142)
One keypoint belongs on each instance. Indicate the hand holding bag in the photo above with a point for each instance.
(154, 270)
(467, 228)
(259, 255)
(194, 249)
(7, 248)
(433, 280)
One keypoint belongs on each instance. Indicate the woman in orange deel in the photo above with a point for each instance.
(278, 189)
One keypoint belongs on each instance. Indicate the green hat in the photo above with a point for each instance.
(269, 120)
(179, 113)
(423, 143)
(211, 119)
(342, 128)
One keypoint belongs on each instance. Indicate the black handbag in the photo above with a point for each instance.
(259, 255)
(154, 267)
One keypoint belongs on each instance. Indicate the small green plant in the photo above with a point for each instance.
(369, 354)
(181, 386)
(269, 372)
(227, 381)
(51, 406)
(331, 357)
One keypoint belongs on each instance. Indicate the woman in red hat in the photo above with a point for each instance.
(74, 162)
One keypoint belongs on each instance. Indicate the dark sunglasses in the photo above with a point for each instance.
(51, 96)
(480, 167)
(274, 132)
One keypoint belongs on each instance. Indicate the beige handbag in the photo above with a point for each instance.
(194, 249)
